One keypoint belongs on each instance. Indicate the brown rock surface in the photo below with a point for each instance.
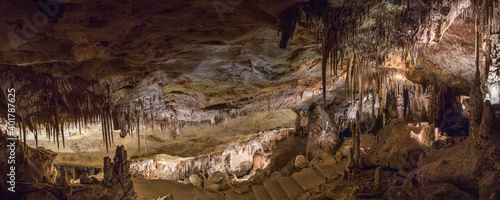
(396, 149)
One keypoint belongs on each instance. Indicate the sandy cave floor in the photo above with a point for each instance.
(152, 189)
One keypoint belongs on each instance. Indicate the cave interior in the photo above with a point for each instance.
(250, 100)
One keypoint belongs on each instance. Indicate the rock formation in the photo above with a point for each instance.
(293, 99)
(116, 174)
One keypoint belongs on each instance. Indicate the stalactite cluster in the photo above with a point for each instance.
(483, 19)
(360, 52)
(56, 105)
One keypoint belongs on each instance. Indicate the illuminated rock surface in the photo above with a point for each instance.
(295, 99)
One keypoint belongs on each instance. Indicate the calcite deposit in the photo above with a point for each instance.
(260, 99)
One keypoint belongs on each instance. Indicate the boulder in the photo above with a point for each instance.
(258, 177)
(196, 180)
(94, 179)
(366, 143)
(322, 134)
(217, 181)
(244, 188)
(300, 162)
(396, 148)
(86, 180)
(213, 187)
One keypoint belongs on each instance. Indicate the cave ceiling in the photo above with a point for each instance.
(191, 59)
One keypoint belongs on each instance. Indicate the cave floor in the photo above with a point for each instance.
(152, 189)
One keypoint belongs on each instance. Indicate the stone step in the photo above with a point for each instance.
(274, 189)
(330, 170)
(308, 178)
(290, 187)
(232, 195)
(260, 193)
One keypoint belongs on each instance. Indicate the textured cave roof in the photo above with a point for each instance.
(136, 31)
(183, 51)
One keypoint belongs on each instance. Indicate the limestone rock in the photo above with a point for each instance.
(300, 162)
(117, 173)
(258, 177)
(322, 135)
(196, 180)
(488, 121)
(94, 179)
(244, 188)
(338, 157)
(366, 143)
(397, 151)
(217, 181)
(85, 180)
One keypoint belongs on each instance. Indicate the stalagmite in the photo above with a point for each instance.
(357, 141)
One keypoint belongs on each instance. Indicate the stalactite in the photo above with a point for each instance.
(37, 124)
(62, 133)
(488, 16)
(56, 121)
(19, 127)
(80, 126)
(49, 129)
(360, 88)
(287, 22)
(128, 122)
(47, 134)
(54, 133)
(138, 135)
(353, 77)
(151, 112)
(24, 130)
(105, 131)
(110, 128)
(145, 140)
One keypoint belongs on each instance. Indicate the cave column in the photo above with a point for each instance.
(476, 97)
